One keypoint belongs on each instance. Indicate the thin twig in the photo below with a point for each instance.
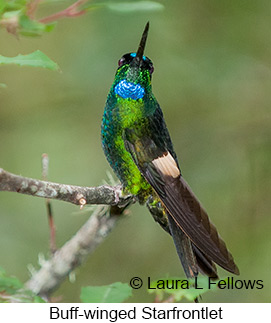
(45, 169)
(85, 241)
(71, 11)
(75, 251)
(32, 7)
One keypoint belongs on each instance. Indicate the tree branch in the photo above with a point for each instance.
(75, 251)
(107, 195)
(86, 239)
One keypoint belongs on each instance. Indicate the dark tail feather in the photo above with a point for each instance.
(193, 260)
(206, 266)
(184, 249)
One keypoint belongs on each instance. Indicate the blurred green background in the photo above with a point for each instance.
(212, 79)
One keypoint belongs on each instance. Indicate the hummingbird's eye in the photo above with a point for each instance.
(121, 61)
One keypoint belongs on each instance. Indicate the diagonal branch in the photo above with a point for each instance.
(87, 238)
(72, 11)
(74, 251)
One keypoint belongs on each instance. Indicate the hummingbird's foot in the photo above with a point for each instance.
(122, 198)
(157, 211)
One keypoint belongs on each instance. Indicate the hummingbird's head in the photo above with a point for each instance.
(133, 76)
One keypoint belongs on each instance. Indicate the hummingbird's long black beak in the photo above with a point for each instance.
(142, 44)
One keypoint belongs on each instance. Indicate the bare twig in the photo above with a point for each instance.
(107, 195)
(75, 251)
(32, 7)
(85, 241)
(71, 11)
(45, 169)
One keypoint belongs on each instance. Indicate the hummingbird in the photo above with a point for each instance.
(138, 147)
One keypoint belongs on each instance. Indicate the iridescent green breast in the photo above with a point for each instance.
(119, 115)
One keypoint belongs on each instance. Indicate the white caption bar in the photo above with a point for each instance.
(149, 312)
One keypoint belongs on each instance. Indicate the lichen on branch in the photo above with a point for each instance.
(103, 219)
(105, 194)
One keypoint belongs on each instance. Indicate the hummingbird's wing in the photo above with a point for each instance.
(156, 161)
(192, 259)
(184, 246)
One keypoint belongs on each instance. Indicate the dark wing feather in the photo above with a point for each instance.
(174, 192)
(190, 216)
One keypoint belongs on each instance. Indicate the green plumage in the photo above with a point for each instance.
(138, 147)
(126, 113)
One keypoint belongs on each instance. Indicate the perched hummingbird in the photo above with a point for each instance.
(138, 147)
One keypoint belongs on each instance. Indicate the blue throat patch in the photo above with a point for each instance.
(129, 90)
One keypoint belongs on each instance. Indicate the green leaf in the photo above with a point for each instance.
(8, 284)
(12, 290)
(30, 27)
(2, 6)
(25, 296)
(35, 59)
(126, 7)
(7, 6)
(114, 293)
(11, 14)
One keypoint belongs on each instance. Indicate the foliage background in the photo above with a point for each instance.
(212, 78)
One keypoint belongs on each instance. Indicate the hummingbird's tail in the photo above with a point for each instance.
(205, 265)
(192, 258)
(184, 249)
